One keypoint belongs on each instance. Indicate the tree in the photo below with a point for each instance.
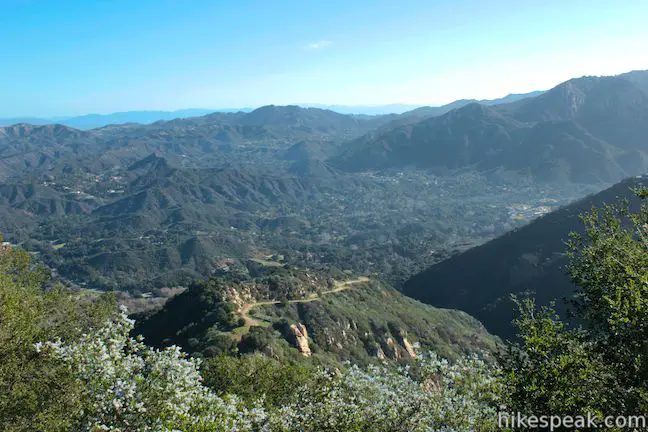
(432, 395)
(554, 369)
(256, 376)
(127, 386)
(610, 265)
(36, 394)
(598, 365)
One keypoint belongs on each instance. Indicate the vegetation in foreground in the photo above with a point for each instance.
(71, 364)
(601, 366)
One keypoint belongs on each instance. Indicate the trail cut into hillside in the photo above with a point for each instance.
(252, 322)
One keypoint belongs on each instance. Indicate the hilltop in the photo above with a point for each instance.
(323, 315)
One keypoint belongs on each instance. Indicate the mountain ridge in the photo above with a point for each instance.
(609, 111)
(228, 185)
(323, 315)
(93, 121)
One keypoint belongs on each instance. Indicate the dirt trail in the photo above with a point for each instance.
(339, 286)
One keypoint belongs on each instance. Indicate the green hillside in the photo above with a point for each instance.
(325, 316)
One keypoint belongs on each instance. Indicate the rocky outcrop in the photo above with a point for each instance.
(238, 295)
(407, 346)
(393, 345)
(301, 338)
(380, 354)
(391, 349)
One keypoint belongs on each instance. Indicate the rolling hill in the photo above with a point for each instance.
(327, 316)
(143, 205)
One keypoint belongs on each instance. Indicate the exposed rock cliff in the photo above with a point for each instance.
(301, 336)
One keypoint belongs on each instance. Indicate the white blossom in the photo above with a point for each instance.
(434, 395)
(128, 386)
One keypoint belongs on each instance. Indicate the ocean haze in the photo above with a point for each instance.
(91, 121)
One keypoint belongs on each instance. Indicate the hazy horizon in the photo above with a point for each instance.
(74, 57)
(399, 108)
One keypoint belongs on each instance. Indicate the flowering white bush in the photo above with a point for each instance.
(433, 395)
(128, 386)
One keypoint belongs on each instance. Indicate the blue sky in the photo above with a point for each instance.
(69, 57)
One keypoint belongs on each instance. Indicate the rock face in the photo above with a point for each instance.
(391, 349)
(380, 354)
(392, 344)
(407, 346)
(301, 336)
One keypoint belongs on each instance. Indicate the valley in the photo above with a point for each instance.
(370, 222)
(149, 209)
(186, 217)
(395, 217)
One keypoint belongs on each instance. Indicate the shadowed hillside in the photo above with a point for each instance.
(584, 130)
(527, 260)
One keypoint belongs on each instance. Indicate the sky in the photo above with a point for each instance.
(74, 57)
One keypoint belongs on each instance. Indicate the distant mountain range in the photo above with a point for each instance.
(159, 203)
(418, 110)
(91, 121)
(27, 148)
(584, 130)
(434, 111)
(526, 261)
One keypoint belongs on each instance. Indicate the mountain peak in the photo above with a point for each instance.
(152, 161)
(17, 130)
(22, 130)
(568, 100)
(639, 78)
(474, 108)
(270, 110)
